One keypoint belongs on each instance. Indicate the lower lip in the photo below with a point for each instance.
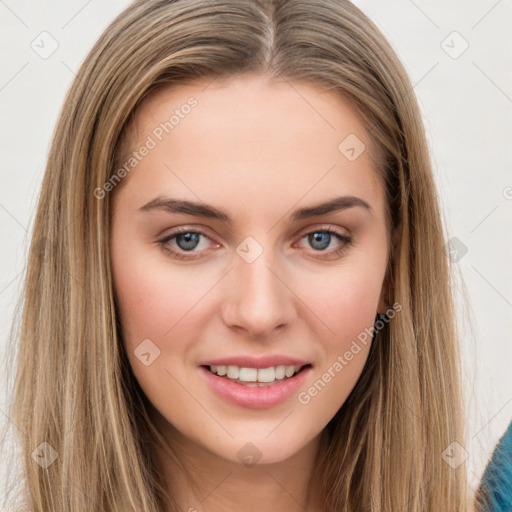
(255, 397)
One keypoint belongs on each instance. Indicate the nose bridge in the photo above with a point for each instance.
(258, 300)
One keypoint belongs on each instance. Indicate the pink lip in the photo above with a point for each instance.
(255, 362)
(255, 397)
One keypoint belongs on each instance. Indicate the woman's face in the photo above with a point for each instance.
(278, 265)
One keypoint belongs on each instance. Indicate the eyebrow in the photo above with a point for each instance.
(203, 210)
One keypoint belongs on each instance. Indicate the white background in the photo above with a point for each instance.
(467, 107)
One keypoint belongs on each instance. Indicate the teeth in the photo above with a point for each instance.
(255, 374)
(248, 374)
(232, 372)
(280, 372)
(266, 375)
(289, 371)
(221, 370)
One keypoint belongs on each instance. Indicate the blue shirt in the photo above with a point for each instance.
(496, 486)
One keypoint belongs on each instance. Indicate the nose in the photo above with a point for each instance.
(258, 299)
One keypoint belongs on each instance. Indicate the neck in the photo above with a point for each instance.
(202, 481)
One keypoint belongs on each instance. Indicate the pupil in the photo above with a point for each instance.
(324, 238)
(191, 240)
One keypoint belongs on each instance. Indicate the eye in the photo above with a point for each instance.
(184, 241)
(322, 238)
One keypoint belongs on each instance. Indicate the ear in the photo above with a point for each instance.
(387, 292)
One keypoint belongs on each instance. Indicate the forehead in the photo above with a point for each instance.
(250, 134)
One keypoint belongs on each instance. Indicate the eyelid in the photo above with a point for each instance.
(186, 229)
(165, 240)
(324, 227)
(345, 238)
(301, 233)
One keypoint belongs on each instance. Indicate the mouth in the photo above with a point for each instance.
(257, 377)
(255, 388)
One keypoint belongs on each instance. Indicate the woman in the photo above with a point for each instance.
(189, 340)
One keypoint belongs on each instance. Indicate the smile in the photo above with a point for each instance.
(256, 377)
(242, 386)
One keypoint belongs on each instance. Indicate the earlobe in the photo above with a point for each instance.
(387, 291)
(383, 304)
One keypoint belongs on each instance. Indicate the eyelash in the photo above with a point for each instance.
(164, 242)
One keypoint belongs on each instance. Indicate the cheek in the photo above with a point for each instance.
(350, 313)
(156, 304)
(346, 300)
(153, 298)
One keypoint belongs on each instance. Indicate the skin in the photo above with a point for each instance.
(257, 150)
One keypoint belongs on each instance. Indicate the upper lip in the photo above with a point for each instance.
(256, 362)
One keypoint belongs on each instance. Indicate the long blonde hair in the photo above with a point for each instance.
(73, 387)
